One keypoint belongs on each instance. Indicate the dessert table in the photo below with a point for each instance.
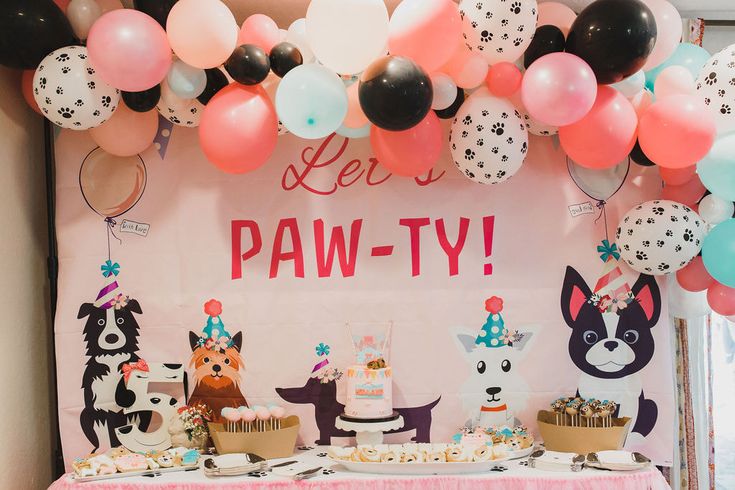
(508, 474)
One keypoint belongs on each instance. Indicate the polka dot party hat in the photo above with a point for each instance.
(493, 333)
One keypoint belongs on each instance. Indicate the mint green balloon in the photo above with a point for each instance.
(311, 101)
(717, 169)
(718, 253)
(688, 55)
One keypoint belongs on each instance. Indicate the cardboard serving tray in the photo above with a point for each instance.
(267, 444)
(581, 440)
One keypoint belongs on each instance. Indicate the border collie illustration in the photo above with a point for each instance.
(611, 338)
(494, 393)
(215, 357)
(111, 337)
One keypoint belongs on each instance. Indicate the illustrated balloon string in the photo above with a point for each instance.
(111, 231)
(603, 214)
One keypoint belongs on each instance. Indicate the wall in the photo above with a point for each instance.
(27, 419)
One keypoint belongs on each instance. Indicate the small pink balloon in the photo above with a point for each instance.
(127, 132)
(468, 69)
(203, 33)
(129, 50)
(677, 131)
(668, 32)
(355, 118)
(673, 80)
(412, 152)
(261, 30)
(721, 299)
(558, 89)
(504, 79)
(556, 14)
(278, 412)
(694, 277)
(677, 176)
(606, 135)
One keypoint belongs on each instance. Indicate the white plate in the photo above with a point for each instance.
(520, 454)
(419, 468)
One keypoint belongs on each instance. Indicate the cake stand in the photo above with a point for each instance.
(369, 431)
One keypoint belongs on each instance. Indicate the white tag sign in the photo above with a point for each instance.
(582, 208)
(128, 226)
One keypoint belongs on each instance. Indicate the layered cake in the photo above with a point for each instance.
(369, 391)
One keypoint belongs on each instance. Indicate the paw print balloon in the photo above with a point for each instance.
(488, 139)
(70, 93)
(500, 30)
(182, 112)
(659, 237)
(716, 88)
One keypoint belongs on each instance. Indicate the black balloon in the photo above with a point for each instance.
(395, 93)
(31, 29)
(284, 58)
(547, 39)
(452, 110)
(216, 81)
(639, 157)
(158, 9)
(248, 64)
(614, 37)
(142, 101)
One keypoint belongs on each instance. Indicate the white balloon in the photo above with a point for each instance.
(182, 112)
(488, 139)
(659, 237)
(686, 304)
(445, 91)
(70, 93)
(186, 81)
(715, 89)
(500, 30)
(82, 14)
(347, 35)
(297, 36)
(631, 86)
(714, 209)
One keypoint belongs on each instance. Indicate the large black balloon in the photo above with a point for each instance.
(395, 93)
(216, 81)
(451, 111)
(639, 157)
(248, 64)
(142, 101)
(158, 9)
(547, 39)
(614, 37)
(284, 58)
(31, 29)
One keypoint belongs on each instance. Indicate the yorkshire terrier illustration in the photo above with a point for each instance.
(215, 357)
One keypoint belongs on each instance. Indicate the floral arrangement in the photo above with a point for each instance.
(195, 418)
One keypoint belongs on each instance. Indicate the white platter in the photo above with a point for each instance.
(520, 454)
(135, 473)
(419, 468)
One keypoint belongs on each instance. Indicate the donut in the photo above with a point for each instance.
(390, 457)
(368, 454)
(482, 453)
(411, 457)
(456, 454)
(131, 462)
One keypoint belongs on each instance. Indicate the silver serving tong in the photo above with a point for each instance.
(306, 474)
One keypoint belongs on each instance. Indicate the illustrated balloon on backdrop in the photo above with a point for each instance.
(427, 31)
(504, 79)
(311, 101)
(182, 112)
(412, 152)
(558, 89)
(714, 209)
(468, 69)
(203, 33)
(127, 132)
(717, 169)
(216, 81)
(142, 101)
(632, 85)
(452, 110)
(659, 237)
(347, 35)
(260, 30)
(674, 80)
(31, 30)
(395, 93)
(715, 90)
(548, 39)
(239, 128)
(694, 277)
(605, 135)
(82, 14)
(296, 35)
(112, 185)
(599, 184)
(614, 37)
(129, 50)
(158, 9)
(488, 139)
(284, 57)
(668, 27)
(499, 31)
(722, 299)
(248, 64)
(70, 92)
(186, 81)
(556, 14)
(688, 55)
(718, 252)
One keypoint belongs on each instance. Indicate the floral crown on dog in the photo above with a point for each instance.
(214, 335)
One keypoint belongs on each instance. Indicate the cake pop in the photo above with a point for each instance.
(248, 416)
(232, 416)
(277, 412)
(263, 415)
(572, 410)
(241, 409)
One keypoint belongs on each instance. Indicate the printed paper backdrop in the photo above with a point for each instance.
(322, 236)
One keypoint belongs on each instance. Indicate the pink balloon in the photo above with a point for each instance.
(677, 176)
(689, 193)
(26, 85)
(721, 299)
(606, 135)
(239, 128)
(673, 80)
(504, 79)
(556, 14)
(203, 33)
(668, 32)
(127, 132)
(427, 31)
(694, 277)
(468, 69)
(642, 101)
(355, 118)
(129, 50)
(412, 152)
(260, 30)
(559, 89)
(677, 131)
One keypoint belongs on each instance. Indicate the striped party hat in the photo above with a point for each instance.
(110, 289)
(612, 292)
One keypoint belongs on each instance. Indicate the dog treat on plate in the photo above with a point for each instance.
(368, 454)
(131, 462)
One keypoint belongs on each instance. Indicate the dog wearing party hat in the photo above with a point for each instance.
(215, 357)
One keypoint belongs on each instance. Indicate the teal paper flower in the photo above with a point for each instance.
(322, 349)
(608, 250)
(109, 268)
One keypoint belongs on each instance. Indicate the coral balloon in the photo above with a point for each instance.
(468, 69)
(606, 135)
(26, 86)
(427, 31)
(694, 277)
(559, 89)
(203, 33)
(718, 253)
(641, 102)
(504, 79)
(127, 132)
(129, 50)
(677, 176)
(355, 117)
(260, 30)
(668, 32)
(689, 193)
(239, 128)
(112, 185)
(556, 14)
(721, 299)
(412, 152)
(673, 80)
(82, 14)
(677, 131)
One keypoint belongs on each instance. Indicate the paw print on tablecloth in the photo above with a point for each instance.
(639, 221)
(499, 468)
(517, 41)
(509, 140)
(626, 247)
(59, 91)
(321, 455)
(646, 243)
(651, 221)
(327, 471)
(90, 71)
(305, 448)
(720, 92)
(65, 70)
(258, 474)
(465, 133)
(523, 463)
(504, 23)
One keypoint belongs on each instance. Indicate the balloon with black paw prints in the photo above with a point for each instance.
(488, 139)
(182, 112)
(716, 87)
